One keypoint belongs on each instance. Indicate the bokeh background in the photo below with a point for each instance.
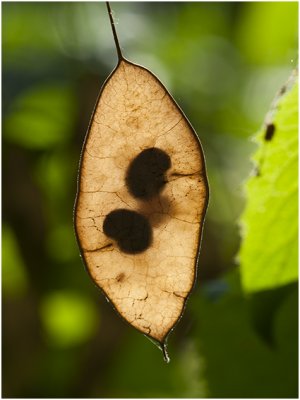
(223, 63)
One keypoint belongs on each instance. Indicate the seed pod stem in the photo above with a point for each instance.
(113, 27)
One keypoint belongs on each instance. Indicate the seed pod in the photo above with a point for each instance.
(141, 201)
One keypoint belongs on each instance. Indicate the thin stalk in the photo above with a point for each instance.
(113, 27)
(165, 353)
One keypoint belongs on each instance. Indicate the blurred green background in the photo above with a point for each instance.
(223, 63)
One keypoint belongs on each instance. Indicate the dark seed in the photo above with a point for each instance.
(130, 229)
(145, 175)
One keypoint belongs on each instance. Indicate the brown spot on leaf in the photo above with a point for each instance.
(120, 277)
(133, 122)
(269, 133)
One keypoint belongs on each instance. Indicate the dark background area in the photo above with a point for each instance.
(223, 63)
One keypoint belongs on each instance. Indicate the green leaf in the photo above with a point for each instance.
(269, 254)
